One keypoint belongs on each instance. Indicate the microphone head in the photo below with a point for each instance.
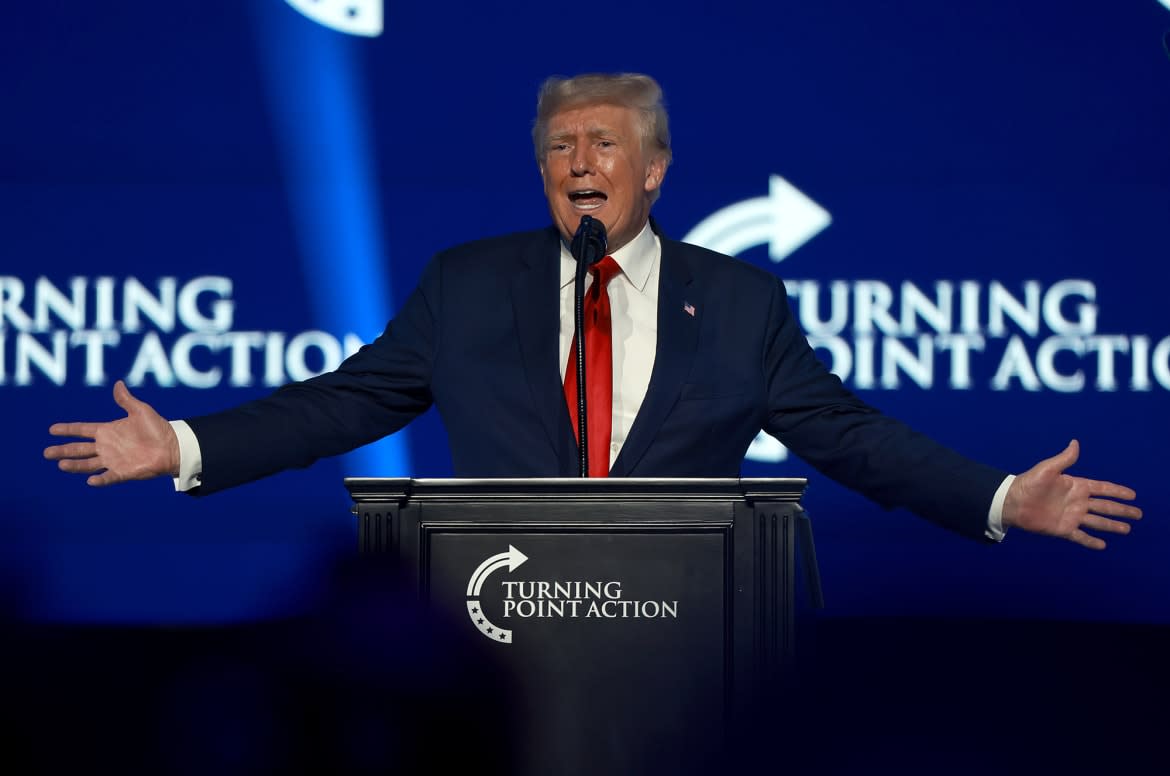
(597, 236)
(589, 243)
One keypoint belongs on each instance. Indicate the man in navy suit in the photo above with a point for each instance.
(705, 353)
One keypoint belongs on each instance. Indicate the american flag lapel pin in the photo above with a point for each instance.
(689, 309)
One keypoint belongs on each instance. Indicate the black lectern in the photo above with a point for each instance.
(639, 617)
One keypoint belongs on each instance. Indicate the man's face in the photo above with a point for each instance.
(594, 165)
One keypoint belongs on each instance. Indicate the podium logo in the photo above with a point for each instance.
(513, 558)
(353, 17)
(547, 599)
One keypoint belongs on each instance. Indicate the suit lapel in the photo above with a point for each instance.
(536, 306)
(678, 337)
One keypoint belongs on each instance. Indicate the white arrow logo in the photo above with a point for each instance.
(353, 17)
(513, 558)
(784, 220)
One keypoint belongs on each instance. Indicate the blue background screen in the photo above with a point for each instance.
(970, 204)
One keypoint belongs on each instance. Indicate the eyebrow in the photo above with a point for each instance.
(596, 131)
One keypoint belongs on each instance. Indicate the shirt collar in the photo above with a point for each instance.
(636, 258)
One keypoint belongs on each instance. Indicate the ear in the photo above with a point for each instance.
(655, 172)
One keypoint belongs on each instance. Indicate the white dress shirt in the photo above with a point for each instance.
(633, 299)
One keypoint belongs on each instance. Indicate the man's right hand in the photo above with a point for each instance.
(138, 447)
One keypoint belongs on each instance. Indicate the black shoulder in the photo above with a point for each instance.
(502, 250)
(711, 265)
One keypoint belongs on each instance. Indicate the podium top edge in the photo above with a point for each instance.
(362, 489)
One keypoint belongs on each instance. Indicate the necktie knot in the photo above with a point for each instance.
(605, 270)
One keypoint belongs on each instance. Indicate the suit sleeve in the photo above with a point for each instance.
(812, 413)
(373, 393)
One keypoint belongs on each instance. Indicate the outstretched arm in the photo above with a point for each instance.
(138, 447)
(1045, 500)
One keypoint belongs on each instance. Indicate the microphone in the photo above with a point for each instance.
(588, 247)
(589, 242)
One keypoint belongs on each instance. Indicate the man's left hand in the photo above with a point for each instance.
(1045, 500)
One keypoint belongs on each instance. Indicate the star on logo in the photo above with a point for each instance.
(510, 560)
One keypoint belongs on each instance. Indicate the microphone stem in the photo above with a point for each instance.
(587, 247)
(579, 334)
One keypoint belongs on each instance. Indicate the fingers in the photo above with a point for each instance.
(1100, 506)
(93, 466)
(1110, 490)
(84, 430)
(71, 450)
(1085, 540)
(1066, 457)
(1096, 522)
(123, 397)
(1105, 524)
(81, 466)
(101, 480)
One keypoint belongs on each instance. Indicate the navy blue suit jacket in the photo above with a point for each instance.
(479, 339)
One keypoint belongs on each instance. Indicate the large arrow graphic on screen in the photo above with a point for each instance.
(784, 220)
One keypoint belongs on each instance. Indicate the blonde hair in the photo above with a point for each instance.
(638, 92)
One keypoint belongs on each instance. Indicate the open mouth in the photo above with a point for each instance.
(587, 199)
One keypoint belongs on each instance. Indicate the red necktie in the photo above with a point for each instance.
(598, 368)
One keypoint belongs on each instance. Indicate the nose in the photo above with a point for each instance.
(582, 162)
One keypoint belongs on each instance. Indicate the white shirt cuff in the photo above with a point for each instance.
(995, 530)
(190, 457)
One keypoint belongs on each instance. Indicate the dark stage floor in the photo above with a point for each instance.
(335, 694)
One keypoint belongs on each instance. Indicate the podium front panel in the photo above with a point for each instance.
(631, 619)
(605, 630)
